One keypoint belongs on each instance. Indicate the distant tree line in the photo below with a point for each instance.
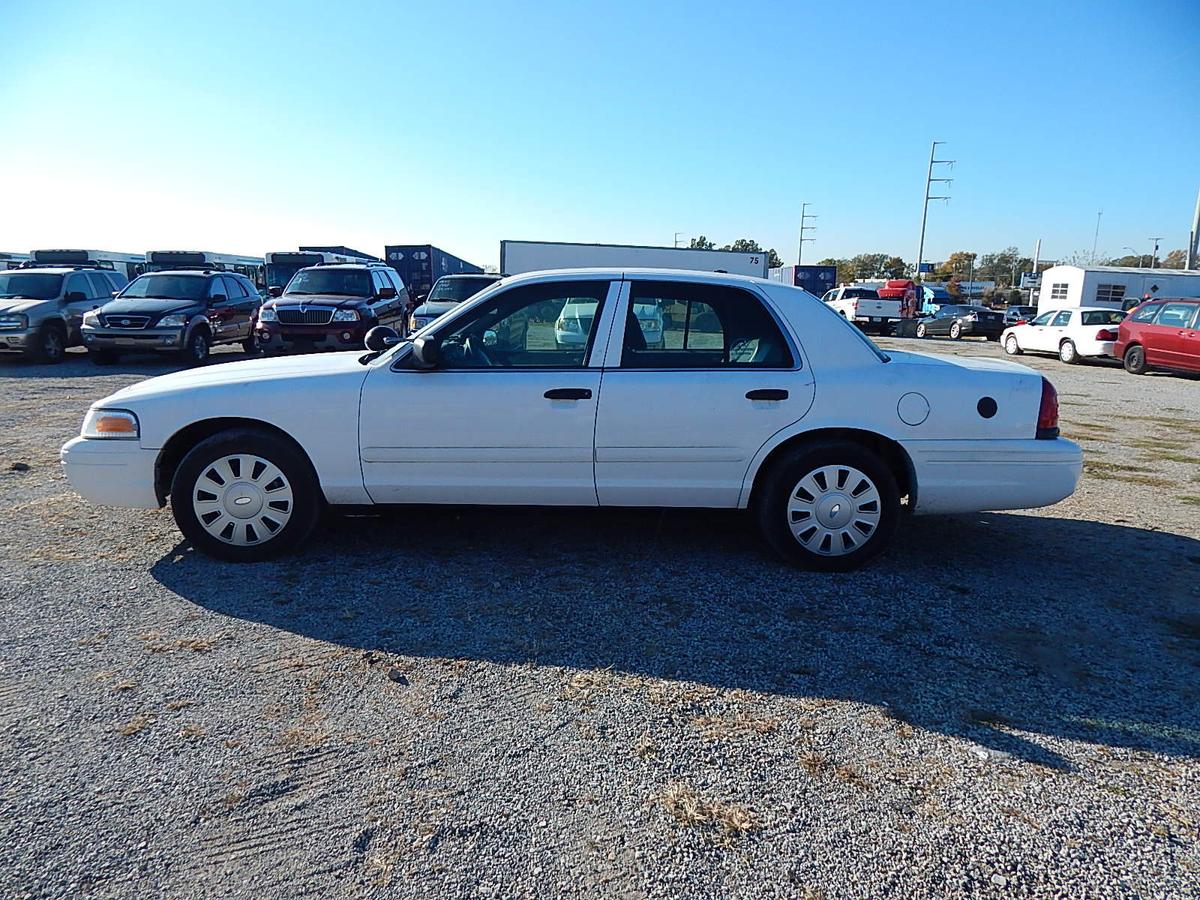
(741, 245)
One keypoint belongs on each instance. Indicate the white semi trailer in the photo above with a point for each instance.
(532, 256)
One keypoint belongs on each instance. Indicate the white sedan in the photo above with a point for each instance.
(759, 396)
(1070, 333)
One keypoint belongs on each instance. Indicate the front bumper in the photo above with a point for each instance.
(133, 340)
(275, 338)
(111, 473)
(972, 476)
(17, 341)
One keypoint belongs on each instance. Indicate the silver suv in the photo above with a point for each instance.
(42, 307)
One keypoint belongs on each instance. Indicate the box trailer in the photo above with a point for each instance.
(420, 265)
(1115, 287)
(533, 256)
(817, 280)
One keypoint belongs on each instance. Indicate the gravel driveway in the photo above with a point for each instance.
(509, 703)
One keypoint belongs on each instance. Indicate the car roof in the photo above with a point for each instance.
(197, 273)
(54, 270)
(632, 272)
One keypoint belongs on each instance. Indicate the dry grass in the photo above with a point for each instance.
(721, 727)
(1109, 471)
(645, 748)
(192, 732)
(305, 736)
(125, 685)
(583, 687)
(814, 763)
(174, 705)
(134, 725)
(848, 774)
(154, 642)
(688, 808)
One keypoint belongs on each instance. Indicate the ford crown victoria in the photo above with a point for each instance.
(757, 396)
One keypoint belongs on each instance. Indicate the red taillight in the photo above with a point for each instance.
(1105, 335)
(1021, 322)
(1047, 426)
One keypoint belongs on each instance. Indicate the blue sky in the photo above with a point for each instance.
(247, 127)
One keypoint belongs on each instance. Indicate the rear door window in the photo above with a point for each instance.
(101, 287)
(1176, 315)
(233, 288)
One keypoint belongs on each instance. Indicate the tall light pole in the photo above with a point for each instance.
(929, 182)
(1141, 257)
(1154, 255)
(1096, 238)
(677, 234)
(805, 215)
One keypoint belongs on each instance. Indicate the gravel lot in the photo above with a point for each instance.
(506, 703)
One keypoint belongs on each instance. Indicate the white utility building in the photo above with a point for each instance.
(1116, 287)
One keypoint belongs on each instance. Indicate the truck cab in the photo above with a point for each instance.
(864, 308)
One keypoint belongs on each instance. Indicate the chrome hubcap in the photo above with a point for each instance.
(242, 500)
(834, 510)
(1011, 344)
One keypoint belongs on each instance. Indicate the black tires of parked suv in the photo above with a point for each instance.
(1135, 360)
(830, 506)
(197, 347)
(245, 495)
(51, 344)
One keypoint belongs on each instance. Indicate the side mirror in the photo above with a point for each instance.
(76, 297)
(275, 290)
(426, 352)
(387, 293)
(114, 293)
(380, 338)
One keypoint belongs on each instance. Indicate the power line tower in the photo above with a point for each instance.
(805, 215)
(929, 182)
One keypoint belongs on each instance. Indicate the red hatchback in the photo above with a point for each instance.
(1161, 334)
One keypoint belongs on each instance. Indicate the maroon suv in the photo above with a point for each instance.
(1161, 334)
(331, 307)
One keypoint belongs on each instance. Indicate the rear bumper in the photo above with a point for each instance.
(111, 473)
(972, 476)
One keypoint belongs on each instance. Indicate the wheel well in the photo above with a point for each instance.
(888, 450)
(181, 443)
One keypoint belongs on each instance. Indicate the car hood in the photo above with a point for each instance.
(337, 301)
(435, 308)
(239, 376)
(21, 304)
(145, 306)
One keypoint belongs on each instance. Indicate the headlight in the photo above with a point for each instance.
(14, 320)
(91, 317)
(175, 320)
(345, 315)
(110, 425)
(268, 314)
(420, 322)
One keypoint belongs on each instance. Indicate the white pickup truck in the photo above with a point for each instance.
(863, 307)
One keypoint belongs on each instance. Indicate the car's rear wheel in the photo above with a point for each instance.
(245, 495)
(1011, 347)
(1135, 360)
(920, 329)
(831, 506)
(1067, 352)
(955, 331)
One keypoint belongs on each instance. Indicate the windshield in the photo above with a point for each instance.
(166, 287)
(279, 274)
(34, 285)
(343, 282)
(455, 290)
(1103, 317)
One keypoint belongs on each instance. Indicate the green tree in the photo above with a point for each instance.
(844, 271)
(895, 267)
(1176, 259)
(998, 266)
(746, 245)
(773, 260)
(700, 243)
(959, 263)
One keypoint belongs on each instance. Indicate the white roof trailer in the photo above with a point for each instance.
(128, 264)
(1114, 287)
(533, 256)
(12, 260)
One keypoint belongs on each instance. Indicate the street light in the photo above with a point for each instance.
(1141, 257)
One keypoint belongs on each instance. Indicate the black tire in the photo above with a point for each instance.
(783, 482)
(103, 357)
(51, 344)
(955, 331)
(303, 510)
(921, 329)
(250, 345)
(1068, 353)
(1135, 360)
(1011, 346)
(198, 347)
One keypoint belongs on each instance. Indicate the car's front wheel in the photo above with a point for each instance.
(1011, 347)
(198, 347)
(50, 345)
(1067, 352)
(1135, 360)
(245, 495)
(920, 329)
(831, 506)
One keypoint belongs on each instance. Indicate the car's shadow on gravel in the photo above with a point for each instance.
(992, 627)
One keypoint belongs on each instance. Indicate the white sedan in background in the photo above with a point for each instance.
(1070, 333)
(761, 397)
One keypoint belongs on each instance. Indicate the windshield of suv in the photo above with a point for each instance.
(456, 290)
(343, 282)
(34, 285)
(166, 287)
